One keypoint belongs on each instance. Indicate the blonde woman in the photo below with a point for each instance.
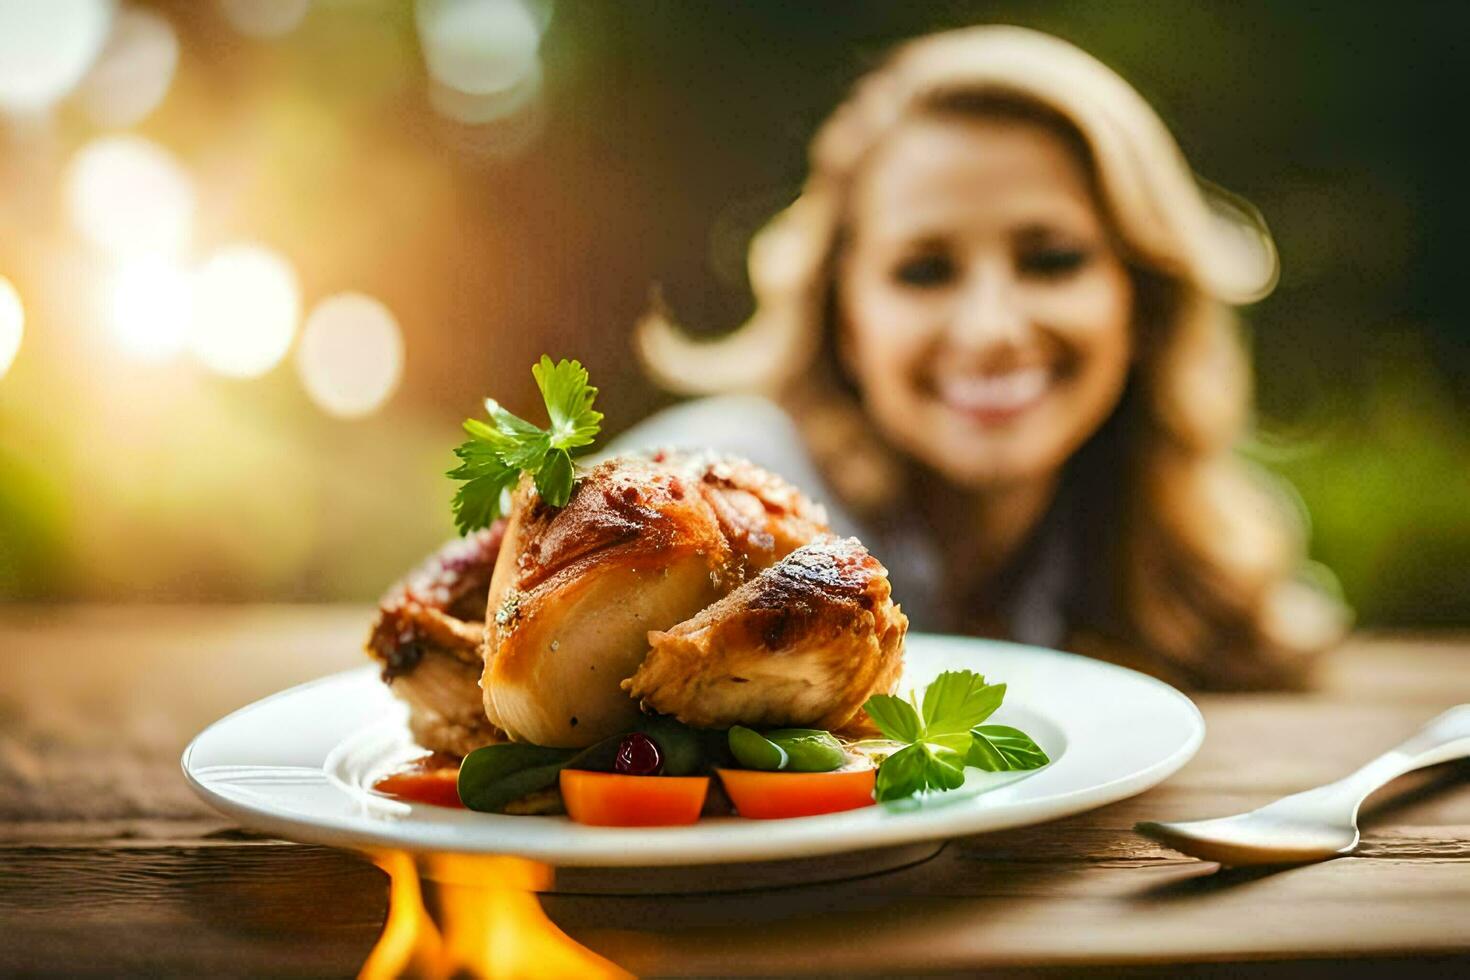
(995, 332)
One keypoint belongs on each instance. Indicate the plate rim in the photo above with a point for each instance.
(1018, 813)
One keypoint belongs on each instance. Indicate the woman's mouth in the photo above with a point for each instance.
(995, 398)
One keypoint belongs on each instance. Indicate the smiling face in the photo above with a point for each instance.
(986, 313)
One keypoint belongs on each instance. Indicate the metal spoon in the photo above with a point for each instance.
(1319, 823)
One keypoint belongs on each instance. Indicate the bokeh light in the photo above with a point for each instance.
(150, 306)
(128, 195)
(351, 355)
(246, 304)
(46, 47)
(477, 109)
(501, 138)
(264, 18)
(134, 71)
(478, 46)
(12, 324)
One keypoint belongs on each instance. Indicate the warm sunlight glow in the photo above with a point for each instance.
(150, 307)
(12, 324)
(264, 18)
(478, 46)
(351, 355)
(45, 49)
(134, 71)
(246, 304)
(491, 923)
(128, 195)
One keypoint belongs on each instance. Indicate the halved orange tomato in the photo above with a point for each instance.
(612, 799)
(436, 786)
(772, 795)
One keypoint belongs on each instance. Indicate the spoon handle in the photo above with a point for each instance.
(1444, 738)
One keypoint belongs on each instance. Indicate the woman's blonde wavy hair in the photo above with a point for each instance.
(1206, 571)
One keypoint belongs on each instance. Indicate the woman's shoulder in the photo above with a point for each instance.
(750, 426)
(743, 425)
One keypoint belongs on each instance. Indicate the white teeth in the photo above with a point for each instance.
(995, 392)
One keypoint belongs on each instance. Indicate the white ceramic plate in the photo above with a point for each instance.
(300, 764)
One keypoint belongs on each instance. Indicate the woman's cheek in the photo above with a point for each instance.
(1091, 307)
(891, 336)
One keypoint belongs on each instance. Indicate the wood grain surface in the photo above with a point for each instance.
(110, 867)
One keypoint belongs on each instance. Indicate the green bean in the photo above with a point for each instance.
(753, 751)
(809, 749)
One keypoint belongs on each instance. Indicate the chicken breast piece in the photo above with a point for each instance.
(803, 643)
(644, 543)
(577, 589)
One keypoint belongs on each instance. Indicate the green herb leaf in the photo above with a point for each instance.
(568, 396)
(958, 700)
(487, 478)
(902, 774)
(1001, 748)
(554, 478)
(496, 454)
(921, 767)
(894, 717)
(944, 735)
(512, 425)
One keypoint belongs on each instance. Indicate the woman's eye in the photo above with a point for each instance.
(1053, 263)
(925, 271)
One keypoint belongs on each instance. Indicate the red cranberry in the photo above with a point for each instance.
(638, 755)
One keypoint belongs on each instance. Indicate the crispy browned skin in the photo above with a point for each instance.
(804, 643)
(643, 551)
(427, 636)
(644, 543)
(763, 517)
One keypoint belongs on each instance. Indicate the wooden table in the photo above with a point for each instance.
(109, 866)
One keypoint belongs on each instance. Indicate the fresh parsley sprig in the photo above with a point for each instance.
(495, 455)
(945, 734)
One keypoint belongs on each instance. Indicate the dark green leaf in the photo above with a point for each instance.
(529, 453)
(958, 700)
(902, 774)
(477, 501)
(894, 717)
(682, 747)
(555, 477)
(496, 775)
(1000, 748)
(921, 767)
(946, 766)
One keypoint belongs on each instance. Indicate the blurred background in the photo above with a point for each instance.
(259, 257)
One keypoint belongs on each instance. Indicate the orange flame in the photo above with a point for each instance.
(491, 924)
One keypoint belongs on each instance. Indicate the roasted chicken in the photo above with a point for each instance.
(802, 644)
(428, 636)
(694, 585)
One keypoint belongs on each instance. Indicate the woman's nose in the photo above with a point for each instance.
(988, 313)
